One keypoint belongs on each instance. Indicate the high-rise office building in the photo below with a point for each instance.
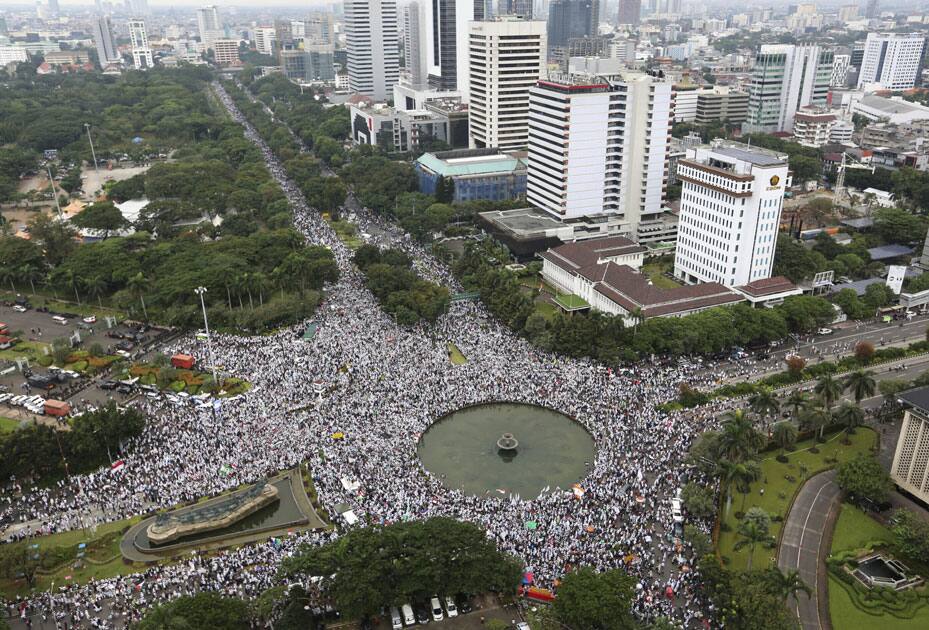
(629, 12)
(284, 35)
(731, 200)
(572, 18)
(891, 61)
(103, 41)
(871, 11)
(599, 147)
(264, 40)
(373, 47)
(141, 53)
(786, 78)
(414, 49)
(446, 41)
(319, 28)
(507, 58)
(519, 8)
(910, 468)
(840, 64)
(225, 52)
(209, 25)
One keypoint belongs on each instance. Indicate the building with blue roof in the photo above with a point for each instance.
(478, 174)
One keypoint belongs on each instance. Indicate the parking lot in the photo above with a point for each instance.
(87, 341)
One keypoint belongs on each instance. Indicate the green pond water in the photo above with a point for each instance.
(277, 514)
(461, 450)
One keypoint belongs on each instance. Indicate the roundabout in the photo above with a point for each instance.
(461, 450)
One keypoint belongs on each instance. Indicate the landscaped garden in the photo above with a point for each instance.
(851, 604)
(455, 355)
(780, 481)
(168, 378)
(8, 425)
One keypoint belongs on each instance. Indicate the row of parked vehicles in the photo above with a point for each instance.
(33, 404)
(419, 613)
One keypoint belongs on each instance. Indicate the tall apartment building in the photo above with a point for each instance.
(209, 25)
(226, 52)
(572, 18)
(103, 41)
(784, 79)
(910, 468)
(372, 45)
(138, 38)
(891, 61)
(731, 200)
(599, 147)
(629, 12)
(414, 48)
(264, 40)
(447, 42)
(507, 58)
(319, 28)
(519, 8)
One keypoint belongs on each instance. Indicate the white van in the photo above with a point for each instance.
(408, 618)
(450, 607)
(437, 614)
(396, 622)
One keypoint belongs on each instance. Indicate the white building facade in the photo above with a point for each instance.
(264, 40)
(209, 25)
(141, 52)
(731, 202)
(507, 57)
(891, 61)
(910, 468)
(372, 45)
(786, 78)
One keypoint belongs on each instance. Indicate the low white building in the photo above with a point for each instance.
(813, 127)
(602, 275)
(894, 110)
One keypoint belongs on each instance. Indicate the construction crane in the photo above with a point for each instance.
(840, 192)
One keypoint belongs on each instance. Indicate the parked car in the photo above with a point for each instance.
(20, 309)
(90, 319)
(436, 606)
(450, 607)
(824, 331)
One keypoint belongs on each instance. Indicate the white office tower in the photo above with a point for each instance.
(786, 78)
(599, 147)
(891, 61)
(414, 49)
(141, 53)
(507, 58)
(372, 46)
(209, 25)
(731, 202)
(103, 41)
(264, 40)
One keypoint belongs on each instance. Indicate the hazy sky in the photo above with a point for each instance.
(167, 4)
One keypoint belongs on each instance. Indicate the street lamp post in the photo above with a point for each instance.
(51, 180)
(92, 151)
(209, 343)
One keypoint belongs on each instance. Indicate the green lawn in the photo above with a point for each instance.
(655, 273)
(8, 425)
(855, 529)
(43, 298)
(103, 546)
(547, 310)
(569, 301)
(779, 492)
(457, 358)
(844, 614)
(32, 350)
(347, 233)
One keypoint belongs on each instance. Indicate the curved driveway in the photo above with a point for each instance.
(802, 546)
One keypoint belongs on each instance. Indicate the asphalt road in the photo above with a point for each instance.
(801, 543)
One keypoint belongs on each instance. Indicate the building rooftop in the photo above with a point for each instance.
(470, 162)
(886, 252)
(768, 286)
(752, 155)
(891, 105)
(918, 398)
(860, 223)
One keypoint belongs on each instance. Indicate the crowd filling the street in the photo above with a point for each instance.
(382, 387)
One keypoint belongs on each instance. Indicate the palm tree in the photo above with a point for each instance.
(861, 384)
(816, 418)
(764, 403)
(850, 415)
(739, 474)
(8, 274)
(30, 273)
(789, 584)
(828, 389)
(798, 401)
(137, 285)
(247, 281)
(260, 282)
(784, 434)
(95, 286)
(74, 281)
(738, 438)
(751, 533)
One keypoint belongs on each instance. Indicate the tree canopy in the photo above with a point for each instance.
(203, 610)
(596, 601)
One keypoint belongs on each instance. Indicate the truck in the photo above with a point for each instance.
(183, 361)
(57, 408)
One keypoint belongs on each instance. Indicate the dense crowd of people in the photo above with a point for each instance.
(381, 386)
